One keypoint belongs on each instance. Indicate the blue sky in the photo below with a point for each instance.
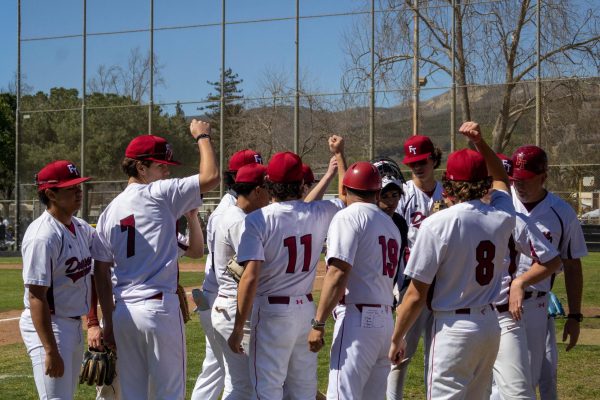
(189, 57)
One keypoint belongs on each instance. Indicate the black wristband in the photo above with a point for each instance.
(576, 317)
(202, 136)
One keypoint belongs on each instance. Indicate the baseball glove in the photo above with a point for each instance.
(98, 367)
(183, 304)
(235, 270)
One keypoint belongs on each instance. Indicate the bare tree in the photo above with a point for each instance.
(132, 80)
(495, 43)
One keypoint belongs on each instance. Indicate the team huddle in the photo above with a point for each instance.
(466, 262)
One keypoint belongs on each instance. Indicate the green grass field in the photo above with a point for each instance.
(577, 368)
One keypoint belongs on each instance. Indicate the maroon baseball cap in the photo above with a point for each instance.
(529, 161)
(506, 162)
(151, 148)
(309, 177)
(243, 157)
(59, 174)
(466, 165)
(417, 148)
(285, 167)
(251, 173)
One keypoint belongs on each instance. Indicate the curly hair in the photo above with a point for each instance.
(284, 191)
(465, 191)
(436, 156)
(129, 166)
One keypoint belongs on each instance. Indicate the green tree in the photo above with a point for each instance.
(8, 106)
(234, 106)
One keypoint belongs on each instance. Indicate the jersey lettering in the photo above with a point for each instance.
(290, 243)
(128, 224)
(389, 255)
(78, 269)
(417, 218)
(484, 254)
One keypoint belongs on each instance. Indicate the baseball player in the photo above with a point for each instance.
(57, 262)
(512, 368)
(463, 248)
(251, 195)
(389, 198)
(191, 246)
(558, 222)
(280, 247)
(419, 196)
(363, 279)
(211, 381)
(137, 231)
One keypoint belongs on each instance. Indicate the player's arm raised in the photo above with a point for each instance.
(42, 321)
(494, 165)
(208, 168)
(336, 146)
(245, 299)
(334, 285)
(320, 188)
(105, 298)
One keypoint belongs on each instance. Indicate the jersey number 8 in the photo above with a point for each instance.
(484, 254)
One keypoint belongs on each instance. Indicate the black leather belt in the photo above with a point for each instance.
(285, 299)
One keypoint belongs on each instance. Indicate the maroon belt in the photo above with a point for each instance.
(504, 307)
(285, 299)
(468, 310)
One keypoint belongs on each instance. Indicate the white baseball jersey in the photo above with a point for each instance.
(463, 249)
(210, 280)
(138, 230)
(227, 239)
(62, 261)
(415, 205)
(288, 237)
(558, 223)
(366, 238)
(526, 239)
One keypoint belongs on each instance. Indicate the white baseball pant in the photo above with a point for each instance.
(359, 363)
(548, 376)
(512, 371)
(237, 367)
(463, 350)
(535, 318)
(397, 377)
(211, 381)
(69, 338)
(150, 339)
(279, 351)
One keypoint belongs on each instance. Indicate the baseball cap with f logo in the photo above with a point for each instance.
(417, 148)
(151, 148)
(529, 161)
(58, 174)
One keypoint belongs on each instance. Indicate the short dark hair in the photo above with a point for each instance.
(363, 194)
(229, 178)
(243, 189)
(43, 198)
(465, 191)
(283, 191)
(129, 166)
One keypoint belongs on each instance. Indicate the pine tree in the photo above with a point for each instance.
(234, 106)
